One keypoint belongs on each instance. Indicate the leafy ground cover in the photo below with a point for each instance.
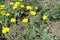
(30, 20)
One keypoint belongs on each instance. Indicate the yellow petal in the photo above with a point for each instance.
(44, 17)
(33, 13)
(28, 7)
(13, 20)
(25, 20)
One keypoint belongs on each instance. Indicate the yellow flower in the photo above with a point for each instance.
(16, 5)
(25, 20)
(2, 7)
(13, 20)
(21, 6)
(36, 7)
(33, 13)
(44, 17)
(28, 7)
(8, 14)
(19, 0)
(3, 12)
(11, 3)
(5, 30)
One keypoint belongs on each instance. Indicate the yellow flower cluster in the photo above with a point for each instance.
(5, 30)
(16, 5)
(13, 20)
(11, 3)
(21, 6)
(7, 14)
(4, 13)
(2, 7)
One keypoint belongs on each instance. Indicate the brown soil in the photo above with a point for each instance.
(55, 26)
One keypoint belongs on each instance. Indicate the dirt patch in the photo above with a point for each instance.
(55, 26)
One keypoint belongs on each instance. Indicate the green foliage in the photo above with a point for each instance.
(36, 28)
